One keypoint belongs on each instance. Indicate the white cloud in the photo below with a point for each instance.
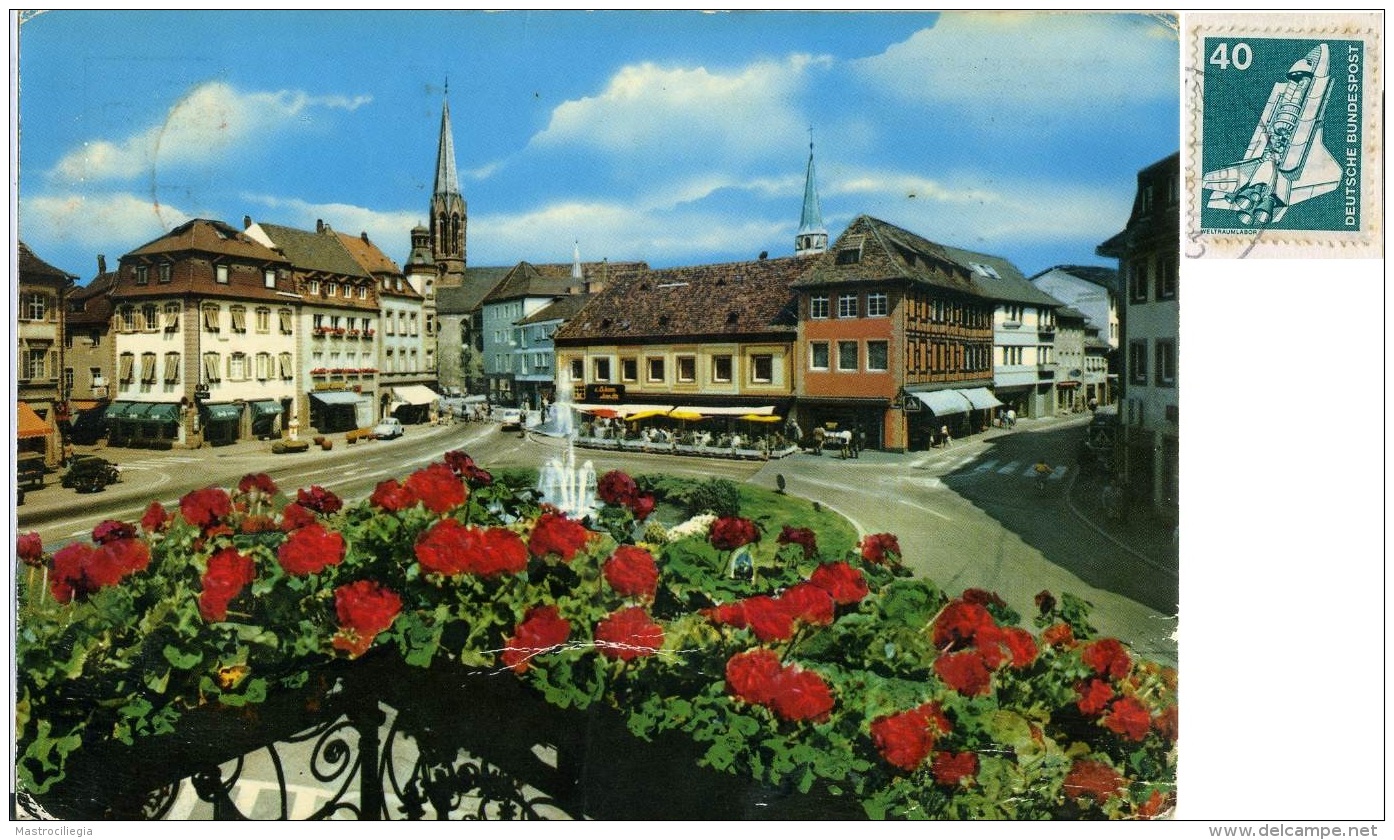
(94, 222)
(1031, 62)
(390, 230)
(679, 111)
(211, 120)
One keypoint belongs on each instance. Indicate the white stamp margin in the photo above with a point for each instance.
(1368, 242)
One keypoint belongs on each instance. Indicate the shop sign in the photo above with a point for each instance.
(604, 393)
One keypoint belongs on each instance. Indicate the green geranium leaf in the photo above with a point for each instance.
(184, 661)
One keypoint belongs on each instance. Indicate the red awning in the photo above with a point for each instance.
(29, 424)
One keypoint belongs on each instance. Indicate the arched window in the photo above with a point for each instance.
(455, 233)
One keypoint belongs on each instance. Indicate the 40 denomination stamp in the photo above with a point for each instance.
(1285, 141)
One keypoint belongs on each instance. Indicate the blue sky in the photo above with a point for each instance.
(671, 137)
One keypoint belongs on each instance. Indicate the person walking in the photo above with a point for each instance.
(1011, 418)
(944, 436)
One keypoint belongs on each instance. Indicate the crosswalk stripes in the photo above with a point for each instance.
(1009, 467)
(985, 466)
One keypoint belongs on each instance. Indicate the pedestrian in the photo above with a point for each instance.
(1093, 406)
(944, 437)
(858, 442)
(1011, 418)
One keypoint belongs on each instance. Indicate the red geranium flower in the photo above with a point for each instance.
(1107, 658)
(768, 619)
(732, 614)
(801, 695)
(229, 571)
(617, 488)
(296, 516)
(309, 550)
(261, 482)
(202, 508)
(319, 500)
(953, 769)
(631, 571)
(1093, 779)
(1058, 635)
(1155, 805)
(877, 548)
(964, 672)
(450, 548)
(807, 603)
(464, 467)
(154, 519)
(365, 608)
(845, 583)
(1128, 718)
(751, 675)
(628, 634)
(438, 488)
(905, 738)
(990, 641)
(391, 496)
(79, 569)
(803, 537)
(729, 533)
(982, 597)
(257, 525)
(1045, 601)
(112, 529)
(30, 548)
(1167, 723)
(1022, 646)
(958, 623)
(1094, 696)
(643, 506)
(541, 629)
(553, 533)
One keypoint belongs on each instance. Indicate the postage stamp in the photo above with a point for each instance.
(1285, 137)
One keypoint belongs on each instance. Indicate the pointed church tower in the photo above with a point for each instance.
(812, 237)
(449, 215)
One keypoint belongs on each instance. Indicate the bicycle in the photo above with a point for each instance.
(1042, 472)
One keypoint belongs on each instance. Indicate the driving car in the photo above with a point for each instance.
(388, 428)
(511, 418)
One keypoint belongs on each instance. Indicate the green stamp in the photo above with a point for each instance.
(1283, 119)
(1284, 135)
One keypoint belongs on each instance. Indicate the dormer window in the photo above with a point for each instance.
(851, 250)
(142, 275)
(270, 278)
(221, 274)
(331, 290)
(165, 272)
(312, 287)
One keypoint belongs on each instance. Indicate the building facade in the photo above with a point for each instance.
(205, 339)
(1093, 291)
(709, 340)
(41, 380)
(336, 320)
(894, 339)
(1148, 255)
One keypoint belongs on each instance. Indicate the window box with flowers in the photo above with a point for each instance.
(824, 683)
(353, 333)
(320, 332)
(339, 332)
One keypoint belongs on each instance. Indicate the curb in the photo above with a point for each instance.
(1149, 562)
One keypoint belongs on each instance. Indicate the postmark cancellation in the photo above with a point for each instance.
(1284, 139)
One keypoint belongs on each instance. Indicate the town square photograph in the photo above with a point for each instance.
(694, 416)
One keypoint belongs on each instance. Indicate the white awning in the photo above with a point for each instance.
(335, 397)
(981, 397)
(727, 410)
(943, 402)
(415, 394)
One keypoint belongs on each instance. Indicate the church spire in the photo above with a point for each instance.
(812, 237)
(449, 214)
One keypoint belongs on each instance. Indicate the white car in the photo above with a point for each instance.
(511, 418)
(388, 428)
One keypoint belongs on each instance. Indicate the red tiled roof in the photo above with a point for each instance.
(733, 300)
(189, 249)
(549, 279)
(368, 255)
(91, 304)
(34, 270)
(208, 236)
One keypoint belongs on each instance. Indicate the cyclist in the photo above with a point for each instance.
(1042, 471)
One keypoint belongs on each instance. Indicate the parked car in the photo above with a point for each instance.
(91, 474)
(1100, 437)
(389, 428)
(511, 418)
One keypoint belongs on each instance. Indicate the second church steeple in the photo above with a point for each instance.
(449, 214)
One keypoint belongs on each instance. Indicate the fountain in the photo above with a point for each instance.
(564, 485)
(567, 487)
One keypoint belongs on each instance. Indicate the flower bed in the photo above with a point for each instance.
(841, 677)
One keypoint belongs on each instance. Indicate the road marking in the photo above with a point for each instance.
(985, 466)
(1009, 468)
(1058, 473)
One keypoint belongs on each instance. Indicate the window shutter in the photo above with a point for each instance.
(128, 362)
(147, 367)
(285, 366)
(211, 367)
(285, 321)
(239, 319)
(210, 318)
(171, 367)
